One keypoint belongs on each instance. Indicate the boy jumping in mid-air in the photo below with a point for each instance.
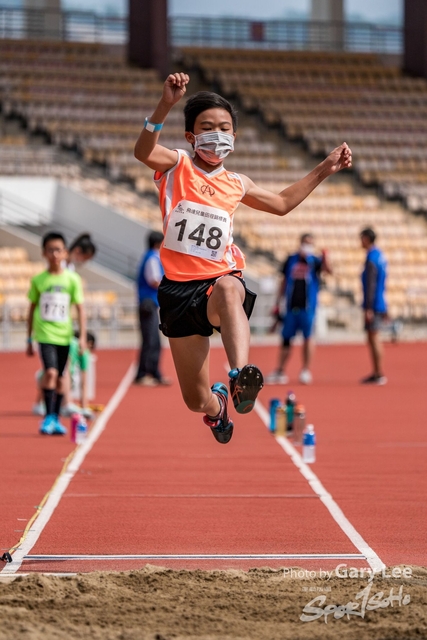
(203, 288)
(51, 294)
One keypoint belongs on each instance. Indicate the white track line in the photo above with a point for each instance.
(65, 479)
(186, 496)
(200, 556)
(374, 561)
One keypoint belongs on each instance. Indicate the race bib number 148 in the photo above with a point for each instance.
(198, 230)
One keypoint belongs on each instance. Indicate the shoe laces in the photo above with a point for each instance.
(218, 421)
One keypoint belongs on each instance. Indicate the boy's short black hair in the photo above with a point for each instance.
(52, 235)
(306, 236)
(369, 233)
(155, 237)
(89, 337)
(202, 101)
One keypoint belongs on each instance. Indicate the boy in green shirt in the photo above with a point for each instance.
(51, 294)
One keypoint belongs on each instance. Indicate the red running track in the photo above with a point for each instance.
(156, 481)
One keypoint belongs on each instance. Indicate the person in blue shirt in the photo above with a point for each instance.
(149, 278)
(374, 278)
(299, 286)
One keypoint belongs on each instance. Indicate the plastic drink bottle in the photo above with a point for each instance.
(299, 423)
(309, 445)
(274, 404)
(81, 430)
(75, 417)
(281, 421)
(290, 409)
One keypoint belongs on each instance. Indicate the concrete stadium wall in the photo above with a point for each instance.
(120, 241)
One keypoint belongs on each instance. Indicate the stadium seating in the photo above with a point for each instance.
(19, 158)
(16, 271)
(85, 97)
(335, 215)
(82, 96)
(322, 99)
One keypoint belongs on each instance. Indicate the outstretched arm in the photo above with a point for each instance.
(147, 150)
(280, 204)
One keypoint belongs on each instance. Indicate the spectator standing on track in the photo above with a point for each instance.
(51, 295)
(203, 287)
(374, 278)
(299, 287)
(149, 277)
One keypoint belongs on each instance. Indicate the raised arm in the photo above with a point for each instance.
(326, 266)
(147, 150)
(282, 203)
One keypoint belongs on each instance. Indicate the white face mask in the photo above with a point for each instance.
(307, 249)
(213, 146)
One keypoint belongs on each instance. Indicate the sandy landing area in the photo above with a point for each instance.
(262, 604)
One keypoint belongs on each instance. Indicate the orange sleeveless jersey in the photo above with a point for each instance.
(197, 210)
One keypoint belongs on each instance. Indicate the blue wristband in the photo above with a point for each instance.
(151, 127)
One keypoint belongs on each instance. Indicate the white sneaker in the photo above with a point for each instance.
(68, 409)
(87, 413)
(39, 408)
(305, 377)
(276, 377)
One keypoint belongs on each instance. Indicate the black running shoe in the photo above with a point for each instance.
(245, 384)
(222, 427)
(379, 380)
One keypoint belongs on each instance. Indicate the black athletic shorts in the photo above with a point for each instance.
(376, 323)
(54, 356)
(183, 306)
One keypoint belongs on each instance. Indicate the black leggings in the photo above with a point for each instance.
(54, 356)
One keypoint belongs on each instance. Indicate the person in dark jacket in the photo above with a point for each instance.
(299, 285)
(374, 278)
(149, 278)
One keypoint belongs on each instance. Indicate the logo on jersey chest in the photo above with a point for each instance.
(300, 271)
(207, 189)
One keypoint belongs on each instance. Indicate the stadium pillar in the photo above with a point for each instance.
(43, 19)
(415, 30)
(327, 25)
(148, 35)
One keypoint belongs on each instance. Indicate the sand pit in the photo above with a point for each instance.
(160, 604)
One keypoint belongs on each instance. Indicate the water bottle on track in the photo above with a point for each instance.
(299, 423)
(309, 445)
(81, 430)
(290, 410)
